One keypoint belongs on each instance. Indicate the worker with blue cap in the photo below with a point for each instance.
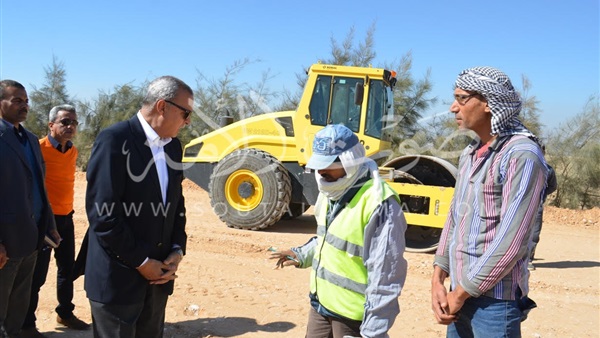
(357, 256)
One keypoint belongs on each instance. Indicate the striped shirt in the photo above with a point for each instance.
(485, 240)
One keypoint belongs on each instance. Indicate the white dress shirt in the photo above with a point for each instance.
(156, 145)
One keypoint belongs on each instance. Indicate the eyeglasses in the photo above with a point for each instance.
(67, 122)
(186, 113)
(463, 99)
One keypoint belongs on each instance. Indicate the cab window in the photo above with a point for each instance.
(343, 108)
(376, 105)
(319, 103)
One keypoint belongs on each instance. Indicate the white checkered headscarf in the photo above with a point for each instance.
(504, 101)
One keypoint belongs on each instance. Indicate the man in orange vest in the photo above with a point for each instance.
(60, 156)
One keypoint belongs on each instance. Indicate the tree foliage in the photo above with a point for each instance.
(227, 97)
(411, 96)
(347, 54)
(52, 93)
(573, 151)
(437, 136)
(107, 109)
(530, 112)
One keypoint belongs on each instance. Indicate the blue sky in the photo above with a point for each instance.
(107, 43)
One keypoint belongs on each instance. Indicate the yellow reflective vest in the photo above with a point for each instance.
(339, 276)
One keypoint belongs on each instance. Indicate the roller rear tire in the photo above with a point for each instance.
(250, 189)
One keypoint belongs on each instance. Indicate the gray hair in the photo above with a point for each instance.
(165, 88)
(54, 111)
(8, 83)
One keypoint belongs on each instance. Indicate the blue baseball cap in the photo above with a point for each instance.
(329, 143)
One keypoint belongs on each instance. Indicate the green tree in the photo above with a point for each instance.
(530, 112)
(590, 177)
(347, 54)
(227, 97)
(437, 136)
(411, 97)
(573, 152)
(52, 93)
(107, 109)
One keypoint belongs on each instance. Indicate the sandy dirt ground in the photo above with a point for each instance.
(228, 288)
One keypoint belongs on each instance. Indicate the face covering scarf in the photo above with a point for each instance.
(356, 165)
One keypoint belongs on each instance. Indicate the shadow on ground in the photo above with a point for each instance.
(566, 264)
(223, 327)
(67, 333)
(304, 224)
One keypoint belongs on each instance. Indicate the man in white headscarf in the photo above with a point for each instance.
(484, 245)
(358, 267)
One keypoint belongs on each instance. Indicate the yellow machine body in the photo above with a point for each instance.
(254, 169)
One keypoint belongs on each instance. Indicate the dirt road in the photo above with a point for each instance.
(227, 287)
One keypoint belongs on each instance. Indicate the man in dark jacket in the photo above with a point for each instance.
(26, 216)
(136, 212)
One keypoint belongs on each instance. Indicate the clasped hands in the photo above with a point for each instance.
(445, 305)
(158, 272)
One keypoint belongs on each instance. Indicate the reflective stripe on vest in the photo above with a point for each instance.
(339, 276)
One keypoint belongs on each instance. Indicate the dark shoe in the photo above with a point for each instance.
(31, 332)
(73, 323)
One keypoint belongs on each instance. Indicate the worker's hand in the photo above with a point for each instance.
(153, 270)
(3, 256)
(55, 236)
(284, 258)
(439, 304)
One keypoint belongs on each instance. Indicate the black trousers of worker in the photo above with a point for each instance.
(65, 257)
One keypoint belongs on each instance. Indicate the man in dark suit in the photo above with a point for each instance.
(136, 212)
(25, 214)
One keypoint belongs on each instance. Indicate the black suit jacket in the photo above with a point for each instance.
(128, 220)
(18, 230)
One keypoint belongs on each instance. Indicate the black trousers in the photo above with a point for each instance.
(65, 257)
(144, 319)
(15, 286)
